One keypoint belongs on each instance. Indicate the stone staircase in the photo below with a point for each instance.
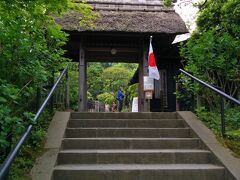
(133, 146)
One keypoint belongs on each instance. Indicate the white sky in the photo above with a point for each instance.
(187, 11)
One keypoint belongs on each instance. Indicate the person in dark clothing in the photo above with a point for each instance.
(120, 98)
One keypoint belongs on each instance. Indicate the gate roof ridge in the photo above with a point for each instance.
(140, 2)
(131, 5)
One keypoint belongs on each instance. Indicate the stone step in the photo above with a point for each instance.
(130, 143)
(127, 132)
(137, 123)
(133, 146)
(139, 172)
(136, 156)
(122, 115)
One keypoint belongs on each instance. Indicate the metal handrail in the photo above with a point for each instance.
(211, 87)
(222, 94)
(12, 155)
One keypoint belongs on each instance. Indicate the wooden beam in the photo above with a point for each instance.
(107, 49)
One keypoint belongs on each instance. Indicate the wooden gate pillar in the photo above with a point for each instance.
(143, 104)
(82, 100)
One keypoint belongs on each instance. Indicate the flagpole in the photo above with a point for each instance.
(147, 99)
(150, 41)
(151, 38)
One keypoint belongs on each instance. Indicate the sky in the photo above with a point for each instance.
(188, 12)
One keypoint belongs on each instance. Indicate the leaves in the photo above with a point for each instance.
(107, 98)
(104, 79)
(94, 78)
(167, 3)
(116, 76)
(31, 49)
(212, 53)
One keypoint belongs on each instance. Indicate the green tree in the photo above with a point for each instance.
(213, 55)
(116, 77)
(213, 52)
(106, 98)
(30, 51)
(94, 79)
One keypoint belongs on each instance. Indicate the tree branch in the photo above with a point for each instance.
(24, 87)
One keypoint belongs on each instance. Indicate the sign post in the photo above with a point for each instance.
(135, 104)
(148, 87)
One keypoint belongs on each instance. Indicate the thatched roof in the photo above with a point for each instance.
(120, 16)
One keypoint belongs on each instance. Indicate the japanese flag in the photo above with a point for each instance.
(152, 67)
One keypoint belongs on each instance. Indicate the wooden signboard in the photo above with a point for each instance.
(148, 84)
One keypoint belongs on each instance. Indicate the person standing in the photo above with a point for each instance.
(107, 108)
(114, 107)
(120, 98)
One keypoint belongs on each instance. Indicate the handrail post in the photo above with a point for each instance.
(67, 91)
(221, 111)
(177, 100)
(51, 104)
(222, 117)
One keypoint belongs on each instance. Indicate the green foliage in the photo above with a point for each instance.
(167, 3)
(211, 119)
(30, 51)
(185, 92)
(73, 84)
(88, 16)
(233, 144)
(106, 98)
(117, 76)
(94, 79)
(220, 15)
(232, 116)
(232, 123)
(104, 79)
(31, 150)
(213, 52)
(8, 120)
(28, 38)
(213, 55)
(232, 119)
(233, 134)
(132, 91)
